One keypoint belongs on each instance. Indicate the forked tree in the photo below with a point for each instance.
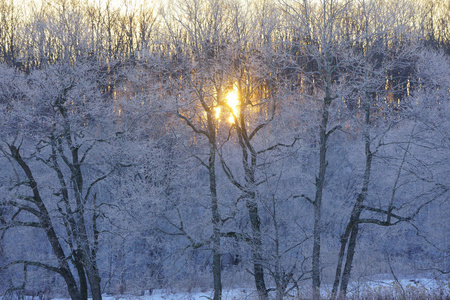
(50, 154)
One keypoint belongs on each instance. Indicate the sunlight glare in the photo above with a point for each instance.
(233, 102)
(217, 109)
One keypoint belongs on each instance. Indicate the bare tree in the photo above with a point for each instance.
(9, 26)
(377, 62)
(198, 34)
(56, 134)
(319, 53)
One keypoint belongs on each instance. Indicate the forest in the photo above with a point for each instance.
(299, 149)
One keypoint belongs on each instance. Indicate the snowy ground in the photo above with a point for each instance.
(228, 294)
(408, 287)
(405, 288)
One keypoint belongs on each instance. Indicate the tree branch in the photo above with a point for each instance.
(33, 263)
(304, 197)
(190, 124)
(279, 145)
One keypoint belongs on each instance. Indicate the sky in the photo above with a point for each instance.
(115, 3)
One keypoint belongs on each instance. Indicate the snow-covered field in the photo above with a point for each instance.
(405, 288)
(377, 289)
(229, 294)
(411, 288)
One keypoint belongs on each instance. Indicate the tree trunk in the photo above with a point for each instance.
(316, 253)
(258, 270)
(45, 221)
(320, 180)
(89, 263)
(281, 280)
(90, 266)
(217, 268)
(81, 275)
(72, 288)
(216, 256)
(249, 158)
(349, 259)
(337, 277)
(353, 224)
(94, 282)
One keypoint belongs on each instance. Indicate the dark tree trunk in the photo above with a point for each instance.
(352, 229)
(216, 255)
(81, 275)
(46, 223)
(320, 180)
(349, 259)
(249, 158)
(88, 261)
(210, 133)
(94, 282)
(337, 276)
(316, 253)
(258, 270)
(72, 287)
(249, 162)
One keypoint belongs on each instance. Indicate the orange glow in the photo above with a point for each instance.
(217, 110)
(233, 102)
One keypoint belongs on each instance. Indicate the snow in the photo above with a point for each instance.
(410, 287)
(375, 288)
(228, 294)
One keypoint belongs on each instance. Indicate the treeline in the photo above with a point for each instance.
(216, 143)
(33, 34)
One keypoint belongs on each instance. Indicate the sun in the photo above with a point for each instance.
(233, 103)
